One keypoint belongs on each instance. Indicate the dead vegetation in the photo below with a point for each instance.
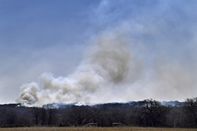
(96, 129)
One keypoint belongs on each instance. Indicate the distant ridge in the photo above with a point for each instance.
(115, 104)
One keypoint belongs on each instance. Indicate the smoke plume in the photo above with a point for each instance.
(110, 63)
(147, 50)
(112, 72)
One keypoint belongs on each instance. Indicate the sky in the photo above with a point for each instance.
(47, 36)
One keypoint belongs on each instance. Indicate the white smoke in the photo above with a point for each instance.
(111, 72)
(158, 35)
(110, 63)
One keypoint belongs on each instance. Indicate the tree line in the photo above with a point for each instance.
(146, 113)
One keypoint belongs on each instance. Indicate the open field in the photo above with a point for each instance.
(95, 129)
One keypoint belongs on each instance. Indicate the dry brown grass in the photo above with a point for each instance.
(94, 129)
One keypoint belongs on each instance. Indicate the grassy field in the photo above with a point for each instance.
(95, 129)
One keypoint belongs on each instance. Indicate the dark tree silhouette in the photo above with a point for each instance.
(145, 113)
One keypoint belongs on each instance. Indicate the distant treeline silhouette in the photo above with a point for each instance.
(147, 113)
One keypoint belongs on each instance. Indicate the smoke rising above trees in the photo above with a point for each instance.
(148, 53)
